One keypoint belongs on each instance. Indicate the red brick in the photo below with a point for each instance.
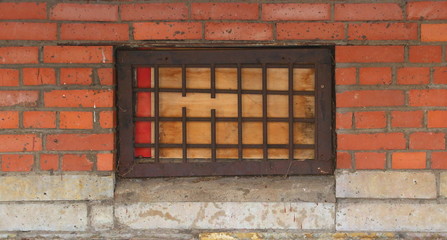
(409, 160)
(154, 11)
(413, 75)
(49, 162)
(310, 31)
(9, 119)
(427, 141)
(345, 76)
(369, 54)
(383, 31)
(343, 160)
(78, 76)
(73, 142)
(17, 163)
(238, 31)
(434, 32)
(21, 142)
(439, 160)
(407, 119)
(429, 10)
(18, 98)
(371, 141)
(428, 97)
(425, 54)
(440, 75)
(343, 120)
(370, 98)
(107, 119)
(9, 77)
(370, 160)
(95, 31)
(73, 162)
(437, 119)
(296, 11)
(370, 119)
(368, 11)
(18, 55)
(23, 10)
(167, 30)
(39, 76)
(106, 76)
(375, 76)
(39, 119)
(76, 120)
(84, 12)
(79, 98)
(28, 31)
(78, 54)
(220, 11)
(105, 162)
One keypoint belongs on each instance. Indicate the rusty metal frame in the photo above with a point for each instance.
(318, 58)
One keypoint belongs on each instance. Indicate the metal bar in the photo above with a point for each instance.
(197, 90)
(157, 113)
(213, 81)
(264, 112)
(291, 137)
(225, 119)
(184, 136)
(239, 112)
(184, 81)
(213, 135)
(196, 145)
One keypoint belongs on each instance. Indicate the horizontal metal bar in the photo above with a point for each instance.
(197, 90)
(190, 145)
(223, 119)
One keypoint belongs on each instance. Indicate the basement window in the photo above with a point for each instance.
(225, 112)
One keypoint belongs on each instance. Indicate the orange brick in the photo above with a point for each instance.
(76, 120)
(39, 76)
(296, 11)
(23, 10)
(437, 119)
(383, 31)
(77, 54)
(434, 32)
(440, 75)
(409, 160)
(95, 31)
(368, 11)
(167, 30)
(17, 163)
(343, 160)
(427, 141)
(78, 76)
(238, 31)
(371, 141)
(9, 77)
(84, 12)
(370, 119)
(105, 162)
(370, 98)
(107, 119)
(18, 55)
(310, 31)
(428, 10)
(18, 98)
(370, 160)
(78, 98)
(413, 75)
(428, 97)
(369, 54)
(20, 142)
(439, 160)
(106, 76)
(345, 76)
(73, 142)
(343, 120)
(406, 119)
(49, 162)
(218, 11)
(72, 162)
(28, 31)
(375, 76)
(425, 54)
(39, 119)
(154, 11)
(9, 119)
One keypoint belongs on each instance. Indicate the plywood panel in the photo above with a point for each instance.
(170, 78)
(278, 133)
(252, 78)
(304, 133)
(252, 105)
(198, 132)
(198, 78)
(170, 132)
(278, 79)
(226, 132)
(252, 133)
(303, 79)
(226, 78)
(303, 106)
(231, 153)
(277, 106)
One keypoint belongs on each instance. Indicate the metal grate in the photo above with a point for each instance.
(176, 115)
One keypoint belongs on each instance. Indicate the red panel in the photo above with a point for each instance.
(143, 130)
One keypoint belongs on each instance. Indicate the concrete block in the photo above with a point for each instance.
(378, 184)
(43, 217)
(391, 216)
(101, 217)
(443, 184)
(56, 187)
(226, 215)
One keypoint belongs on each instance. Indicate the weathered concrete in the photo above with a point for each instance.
(101, 217)
(55, 187)
(228, 189)
(43, 217)
(377, 184)
(226, 215)
(443, 184)
(391, 216)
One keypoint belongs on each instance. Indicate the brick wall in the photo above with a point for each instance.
(57, 100)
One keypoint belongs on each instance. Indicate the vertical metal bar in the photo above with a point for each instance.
(239, 111)
(291, 137)
(264, 112)
(184, 136)
(183, 80)
(156, 112)
(213, 81)
(213, 135)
